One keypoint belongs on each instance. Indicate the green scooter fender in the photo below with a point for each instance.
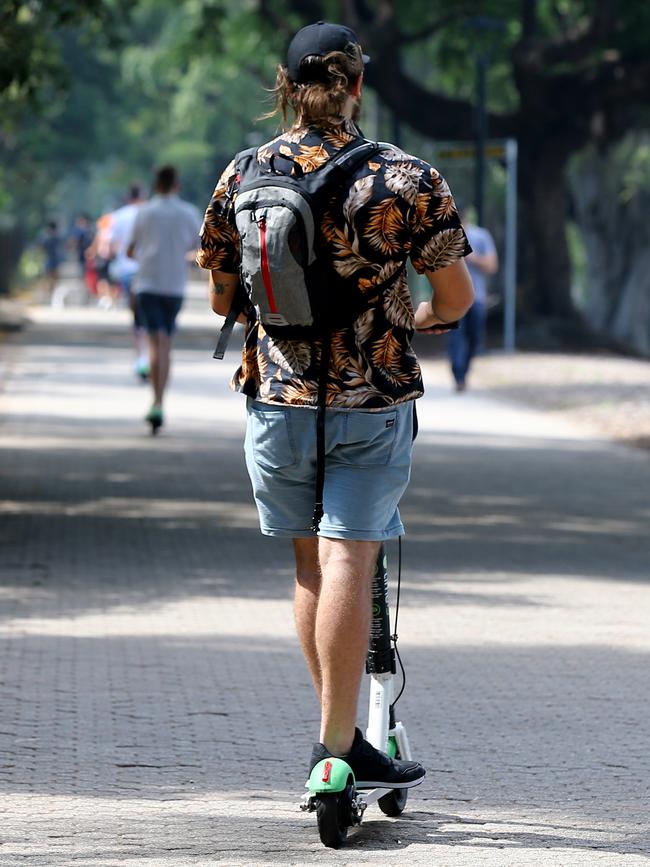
(329, 776)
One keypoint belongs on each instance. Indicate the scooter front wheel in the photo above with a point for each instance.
(334, 816)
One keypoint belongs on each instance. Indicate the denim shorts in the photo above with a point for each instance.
(367, 469)
(158, 312)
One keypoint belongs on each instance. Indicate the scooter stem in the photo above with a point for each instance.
(380, 663)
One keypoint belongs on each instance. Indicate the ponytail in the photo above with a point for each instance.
(323, 95)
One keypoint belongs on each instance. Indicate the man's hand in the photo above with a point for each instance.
(426, 319)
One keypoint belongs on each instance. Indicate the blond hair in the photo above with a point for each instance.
(322, 97)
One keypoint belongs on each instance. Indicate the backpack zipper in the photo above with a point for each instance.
(266, 271)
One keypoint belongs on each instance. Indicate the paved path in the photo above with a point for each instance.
(155, 709)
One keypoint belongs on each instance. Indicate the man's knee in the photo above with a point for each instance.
(357, 557)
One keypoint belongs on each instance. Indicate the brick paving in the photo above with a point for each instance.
(155, 709)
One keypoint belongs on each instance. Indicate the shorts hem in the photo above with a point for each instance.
(330, 532)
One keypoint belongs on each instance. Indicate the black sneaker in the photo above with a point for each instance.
(371, 767)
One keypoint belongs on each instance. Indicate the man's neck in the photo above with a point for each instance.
(340, 123)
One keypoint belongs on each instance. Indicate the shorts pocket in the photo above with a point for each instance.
(370, 438)
(271, 437)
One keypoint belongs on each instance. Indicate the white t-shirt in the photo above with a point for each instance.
(122, 224)
(166, 229)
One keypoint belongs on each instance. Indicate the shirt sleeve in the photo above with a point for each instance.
(219, 247)
(438, 237)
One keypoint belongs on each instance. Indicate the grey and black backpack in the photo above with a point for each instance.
(296, 293)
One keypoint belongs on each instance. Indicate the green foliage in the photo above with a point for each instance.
(95, 93)
(30, 58)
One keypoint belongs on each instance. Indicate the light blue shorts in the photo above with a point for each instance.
(367, 469)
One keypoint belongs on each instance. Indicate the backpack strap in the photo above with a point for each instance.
(346, 160)
(238, 306)
(323, 370)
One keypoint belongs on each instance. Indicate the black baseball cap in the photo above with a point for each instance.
(318, 39)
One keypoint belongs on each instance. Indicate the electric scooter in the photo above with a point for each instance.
(332, 792)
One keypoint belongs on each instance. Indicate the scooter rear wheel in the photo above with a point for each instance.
(394, 803)
(334, 816)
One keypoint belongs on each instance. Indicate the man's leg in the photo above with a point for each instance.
(457, 347)
(341, 632)
(159, 358)
(333, 612)
(475, 331)
(308, 583)
(139, 330)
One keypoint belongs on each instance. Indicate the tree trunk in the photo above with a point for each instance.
(616, 233)
(545, 263)
(11, 248)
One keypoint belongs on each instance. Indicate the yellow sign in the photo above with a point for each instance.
(469, 152)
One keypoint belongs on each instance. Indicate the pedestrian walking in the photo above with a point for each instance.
(80, 239)
(52, 244)
(99, 256)
(123, 270)
(468, 339)
(392, 206)
(164, 232)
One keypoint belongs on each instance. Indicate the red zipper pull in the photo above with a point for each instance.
(264, 265)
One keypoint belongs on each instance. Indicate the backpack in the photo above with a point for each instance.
(296, 295)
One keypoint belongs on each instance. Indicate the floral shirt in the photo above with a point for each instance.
(395, 207)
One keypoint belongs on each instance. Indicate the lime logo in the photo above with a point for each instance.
(376, 610)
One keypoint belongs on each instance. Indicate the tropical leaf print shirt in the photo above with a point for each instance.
(395, 207)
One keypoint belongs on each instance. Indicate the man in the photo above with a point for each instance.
(467, 341)
(80, 239)
(164, 233)
(392, 206)
(123, 270)
(52, 245)
(100, 254)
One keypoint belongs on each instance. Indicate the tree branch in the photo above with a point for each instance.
(432, 114)
(429, 113)
(573, 45)
(408, 38)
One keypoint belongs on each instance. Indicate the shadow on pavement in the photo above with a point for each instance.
(521, 731)
(174, 517)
